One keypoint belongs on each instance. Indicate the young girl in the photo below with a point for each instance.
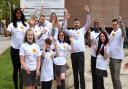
(60, 61)
(47, 65)
(30, 60)
(102, 54)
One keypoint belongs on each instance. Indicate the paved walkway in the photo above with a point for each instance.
(108, 83)
(5, 43)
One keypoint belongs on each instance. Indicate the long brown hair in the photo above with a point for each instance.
(25, 37)
(56, 20)
(99, 49)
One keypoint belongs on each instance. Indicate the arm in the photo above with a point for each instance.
(89, 38)
(6, 32)
(88, 21)
(106, 52)
(64, 23)
(22, 61)
(38, 66)
(122, 27)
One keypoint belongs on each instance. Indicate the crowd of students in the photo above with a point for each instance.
(39, 50)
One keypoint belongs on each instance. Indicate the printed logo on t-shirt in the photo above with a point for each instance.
(34, 50)
(78, 33)
(113, 35)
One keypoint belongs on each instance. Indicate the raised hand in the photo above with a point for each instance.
(119, 19)
(66, 14)
(86, 7)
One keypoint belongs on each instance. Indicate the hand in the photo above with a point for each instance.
(37, 73)
(32, 22)
(119, 19)
(28, 71)
(125, 66)
(103, 27)
(71, 39)
(66, 14)
(86, 7)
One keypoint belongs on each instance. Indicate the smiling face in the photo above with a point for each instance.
(42, 19)
(30, 36)
(102, 37)
(115, 25)
(61, 36)
(76, 24)
(53, 17)
(18, 14)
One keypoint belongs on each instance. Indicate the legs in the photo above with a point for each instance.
(100, 82)
(78, 68)
(115, 65)
(75, 71)
(93, 70)
(16, 67)
(60, 71)
(46, 85)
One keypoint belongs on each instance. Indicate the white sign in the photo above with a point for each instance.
(35, 7)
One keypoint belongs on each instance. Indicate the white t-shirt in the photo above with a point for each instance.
(101, 62)
(62, 49)
(78, 35)
(94, 41)
(78, 43)
(116, 44)
(47, 66)
(17, 34)
(30, 53)
(37, 31)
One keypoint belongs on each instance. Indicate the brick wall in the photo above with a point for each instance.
(105, 10)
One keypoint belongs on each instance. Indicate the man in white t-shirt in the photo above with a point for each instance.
(93, 43)
(78, 45)
(42, 30)
(116, 51)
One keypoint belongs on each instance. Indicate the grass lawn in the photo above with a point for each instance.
(6, 71)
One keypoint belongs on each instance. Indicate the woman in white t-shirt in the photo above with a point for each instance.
(16, 30)
(102, 53)
(56, 25)
(60, 61)
(30, 60)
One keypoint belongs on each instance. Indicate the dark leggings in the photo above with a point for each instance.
(46, 85)
(16, 67)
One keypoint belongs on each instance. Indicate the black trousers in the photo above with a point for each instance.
(46, 85)
(93, 70)
(78, 69)
(16, 67)
(100, 82)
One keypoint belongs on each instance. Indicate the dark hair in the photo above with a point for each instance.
(41, 16)
(99, 49)
(14, 18)
(65, 37)
(76, 19)
(48, 41)
(25, 37)
(115, 20)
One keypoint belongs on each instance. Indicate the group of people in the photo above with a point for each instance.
(39, 49)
